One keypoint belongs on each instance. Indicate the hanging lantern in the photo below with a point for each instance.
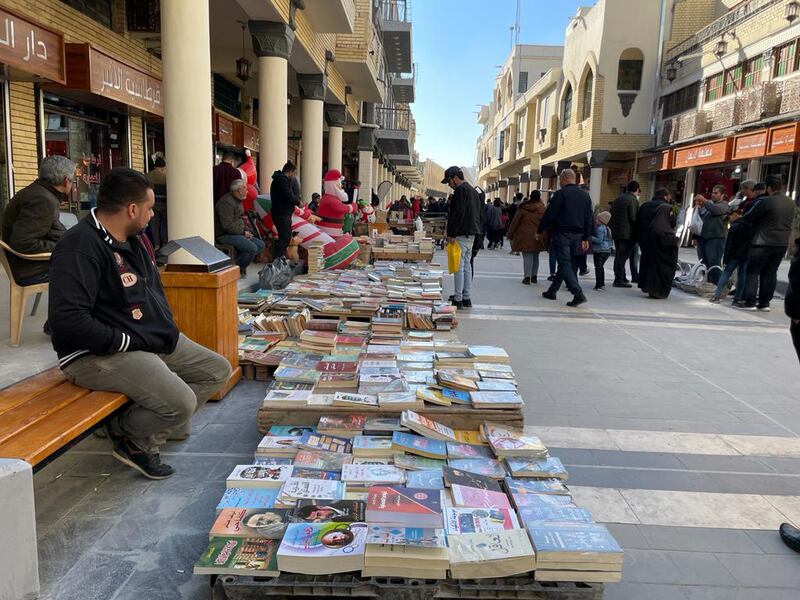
(243, 66)
(792, 11)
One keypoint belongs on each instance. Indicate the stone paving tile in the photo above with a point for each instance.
(696, 539)
(769, 542)
(696, 462)
(640, 591)
(773, 571)
(94, 576)
(677, 568)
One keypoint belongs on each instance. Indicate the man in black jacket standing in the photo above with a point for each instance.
(623, 228)
(569, 216)
(113, 329)
(284, 196)
(463, 224)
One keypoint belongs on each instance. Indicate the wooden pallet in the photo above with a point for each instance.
(407, 256)
(456, 417)
(287, 585)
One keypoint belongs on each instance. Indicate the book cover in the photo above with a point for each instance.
(337, 366)
(370, 445)
(458, 450)
(592, 538)
(352, 423)
(324, 461)
(429, 479)
(416, 444)
(259, 475)
(372, 474)
(540, 513)
(510, 441)
(248, 498)
(329, 511)
(349, 399)
(251, 523)
(496, 385)
(488, 467)
(306, 473)
(325, 443)
(290, 430)
(387, 424)
(549, 500)
(546, 467)
(296, 374)
(317, 540)
(407, 536)
(470, 436)
(535, 486)
(467, 479)
(474, 497)
(296, 489)
(372, 460)
(479, 520)
(425, 426)
(285, 444)
(497, 399)
(242, 556)
(433, 396)
(456, 396)
(487, 547)
(263, 459)
(450, 380)
(290, 396)
(393, 504)
(411, 462)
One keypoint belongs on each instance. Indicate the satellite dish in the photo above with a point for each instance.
(384, 187)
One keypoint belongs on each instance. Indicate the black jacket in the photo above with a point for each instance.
(106, 297)
(31, 226)
(283, 196)
(569, 211)
(771, 218)
(623, 216)
(228, 216)
(464, 217)
(792, 301)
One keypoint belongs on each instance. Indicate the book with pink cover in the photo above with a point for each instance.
(474, 497)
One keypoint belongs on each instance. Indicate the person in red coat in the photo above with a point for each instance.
(332, 206)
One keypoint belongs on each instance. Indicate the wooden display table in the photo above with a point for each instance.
(405, 256)
(204, 307)
(456, 417)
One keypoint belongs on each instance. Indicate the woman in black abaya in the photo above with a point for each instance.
(656, 232)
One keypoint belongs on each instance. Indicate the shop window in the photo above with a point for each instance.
(733, 80)
(523, 82)
(681, 100)
(566, 108)
(714, 87)
(631, 65)
(99, 10)
(588, 85)
(226, 96)
(752, 71)
(786, 61)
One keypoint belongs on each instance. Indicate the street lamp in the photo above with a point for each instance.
(792, 11)
(672, 73)
(722, 48)
(243, 66)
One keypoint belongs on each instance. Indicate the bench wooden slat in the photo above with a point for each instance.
(61, 427)
(15, 421)
(29, 388)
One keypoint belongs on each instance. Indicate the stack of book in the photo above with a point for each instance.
(585, 552)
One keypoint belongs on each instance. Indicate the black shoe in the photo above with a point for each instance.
(534, 279)
(622, 284)
(147, 464)
(584, 273)
(458, 304)
(790, 536)
(466, 303)
(526, 281)
(745, 306)
(451, 297)
(549, 294)
(551, 278)
(763, 307)
(577, 301)
(599, 288)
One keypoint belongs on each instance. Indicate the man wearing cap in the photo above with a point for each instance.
(463, 224)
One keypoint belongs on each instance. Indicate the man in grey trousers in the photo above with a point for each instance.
(113, 329)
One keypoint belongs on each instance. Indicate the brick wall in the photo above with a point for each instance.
(24, 151)
(688, 17)
(137, 144)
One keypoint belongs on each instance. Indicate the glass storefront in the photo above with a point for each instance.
(729, 176)
(93, 138)
(154, 142)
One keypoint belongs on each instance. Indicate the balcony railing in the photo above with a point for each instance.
(393, 119)
(716, 28)
(393, 10)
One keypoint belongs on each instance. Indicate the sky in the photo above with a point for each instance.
(456, 45)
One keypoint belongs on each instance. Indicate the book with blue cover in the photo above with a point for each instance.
(542, 513)
(546, 467)
(416, 444)
(248, 498)
(429, 479)
(535, 486)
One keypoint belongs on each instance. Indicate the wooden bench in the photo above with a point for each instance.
(44, 414)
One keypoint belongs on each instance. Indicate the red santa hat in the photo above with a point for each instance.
(332, 175)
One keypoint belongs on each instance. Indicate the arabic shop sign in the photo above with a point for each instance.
(116, 80)
(31, 47)
(703, 154)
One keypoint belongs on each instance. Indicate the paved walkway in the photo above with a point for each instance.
(677, 419)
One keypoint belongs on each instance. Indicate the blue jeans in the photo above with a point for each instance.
(712, 251)
(566, 245)
(463, 277)
(551, 255)
(246, 249)
(741, 276)
(530, 264)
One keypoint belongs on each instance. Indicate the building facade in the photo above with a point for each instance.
(116, 82)
(729, 97)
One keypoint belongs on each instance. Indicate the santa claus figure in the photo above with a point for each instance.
(332, 208)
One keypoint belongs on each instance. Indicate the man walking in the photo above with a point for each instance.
(113, 329)
(569, 214)
(623, 227)
(771, 221)
(463, 224)
(229, 226)
(285, 196)
(31, 222)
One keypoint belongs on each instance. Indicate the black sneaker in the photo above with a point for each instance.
(744, 306)
(551, 278)
(526, 281)
(147, 464)
(458, 304)
(549, 294)
(622, 284)
(466, 303)
(451, 297)
(534, 279)
(577, 301)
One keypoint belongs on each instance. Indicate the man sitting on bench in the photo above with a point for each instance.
(113, 329)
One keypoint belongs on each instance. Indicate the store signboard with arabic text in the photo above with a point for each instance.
(92, 69)
(33, 48)
(703, 154)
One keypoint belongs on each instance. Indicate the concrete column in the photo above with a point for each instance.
(185, 66)
(597, 160)
(18, 530)
(272, 44)
(366, 146)
(754, 169)
(376, 173)
(336, 116)
(312, 91)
